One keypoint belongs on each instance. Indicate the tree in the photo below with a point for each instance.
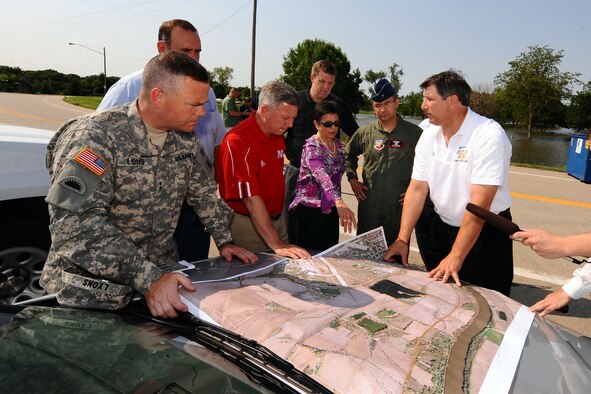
(220, 80)
(13, 79)
(372, 76)
(578, 114)
(482, 101)
(396, 73)
(533, 86)
(298, 62)
(9, 78)
(410, 105)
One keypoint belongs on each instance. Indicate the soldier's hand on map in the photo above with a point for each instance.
(346, 216)
(551, 303)
(163, 297)
(229, 250)
(447, 269)
(291, 251)
(397, 248)
(358, 189)
(542, 242)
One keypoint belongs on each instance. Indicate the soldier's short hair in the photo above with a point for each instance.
(449, 83)
(324, 66)
(275, 93)
(167, 26)
(166, 69)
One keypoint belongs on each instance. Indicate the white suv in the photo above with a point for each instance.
(24, 219)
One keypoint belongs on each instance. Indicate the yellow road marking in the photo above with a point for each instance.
(27, 116)
(550, 199)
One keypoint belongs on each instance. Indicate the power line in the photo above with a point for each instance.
(220, 23)
(86, 26)
(67, 21)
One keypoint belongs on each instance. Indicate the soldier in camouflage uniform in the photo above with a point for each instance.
(118, 180)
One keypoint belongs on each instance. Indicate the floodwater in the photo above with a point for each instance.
(549, 148)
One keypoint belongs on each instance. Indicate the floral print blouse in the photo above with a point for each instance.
(319, 181)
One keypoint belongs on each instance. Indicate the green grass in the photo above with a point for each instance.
(540, 167)
(90, 102)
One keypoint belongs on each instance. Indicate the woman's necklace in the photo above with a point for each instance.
(332, 151)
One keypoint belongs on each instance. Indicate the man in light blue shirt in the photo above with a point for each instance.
(179, 35)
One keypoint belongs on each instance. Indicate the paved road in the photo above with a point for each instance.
(541, 199)
(36, 110)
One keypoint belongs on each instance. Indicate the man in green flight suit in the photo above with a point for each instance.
(388, 149)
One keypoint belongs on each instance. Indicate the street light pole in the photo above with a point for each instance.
(104, 54)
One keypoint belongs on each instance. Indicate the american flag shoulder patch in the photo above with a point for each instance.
(92, 161)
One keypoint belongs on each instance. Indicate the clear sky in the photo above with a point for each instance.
(478, 38)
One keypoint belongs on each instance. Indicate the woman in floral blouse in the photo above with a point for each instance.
(318, 206)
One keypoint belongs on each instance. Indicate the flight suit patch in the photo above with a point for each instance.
(379, 144)
(395, 143)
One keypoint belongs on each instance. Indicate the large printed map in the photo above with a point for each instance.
(357, 324)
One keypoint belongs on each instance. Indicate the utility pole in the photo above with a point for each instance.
(254, 33)
(105, 70)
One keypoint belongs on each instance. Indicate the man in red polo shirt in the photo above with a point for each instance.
(250, 172)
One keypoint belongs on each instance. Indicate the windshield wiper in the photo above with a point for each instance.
(262, 365)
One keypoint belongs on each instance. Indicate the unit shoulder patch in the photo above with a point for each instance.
(74, 183)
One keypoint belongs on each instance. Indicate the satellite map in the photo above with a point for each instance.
(383, 327)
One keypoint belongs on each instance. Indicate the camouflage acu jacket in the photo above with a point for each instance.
(114, 202)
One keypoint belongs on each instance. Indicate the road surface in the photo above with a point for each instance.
(541, 199)
(37, 110)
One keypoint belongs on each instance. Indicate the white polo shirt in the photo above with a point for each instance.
(479, 153)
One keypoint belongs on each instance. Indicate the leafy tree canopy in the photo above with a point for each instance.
(410, 105)
(220, 79)
(372, 76)
(394, 75)
(13, 79)
(298, 62)
(533, 86)
(579, 112)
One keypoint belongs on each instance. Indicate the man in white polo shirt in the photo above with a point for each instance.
(461, 157)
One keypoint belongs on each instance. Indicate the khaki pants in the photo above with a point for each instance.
(244, 234)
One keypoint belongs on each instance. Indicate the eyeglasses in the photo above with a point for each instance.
(330, 124)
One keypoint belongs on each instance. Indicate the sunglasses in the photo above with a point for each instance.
(330, 124)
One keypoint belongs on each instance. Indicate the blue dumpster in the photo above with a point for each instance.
(579, 158)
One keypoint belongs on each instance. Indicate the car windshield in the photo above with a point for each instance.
(70, 350)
